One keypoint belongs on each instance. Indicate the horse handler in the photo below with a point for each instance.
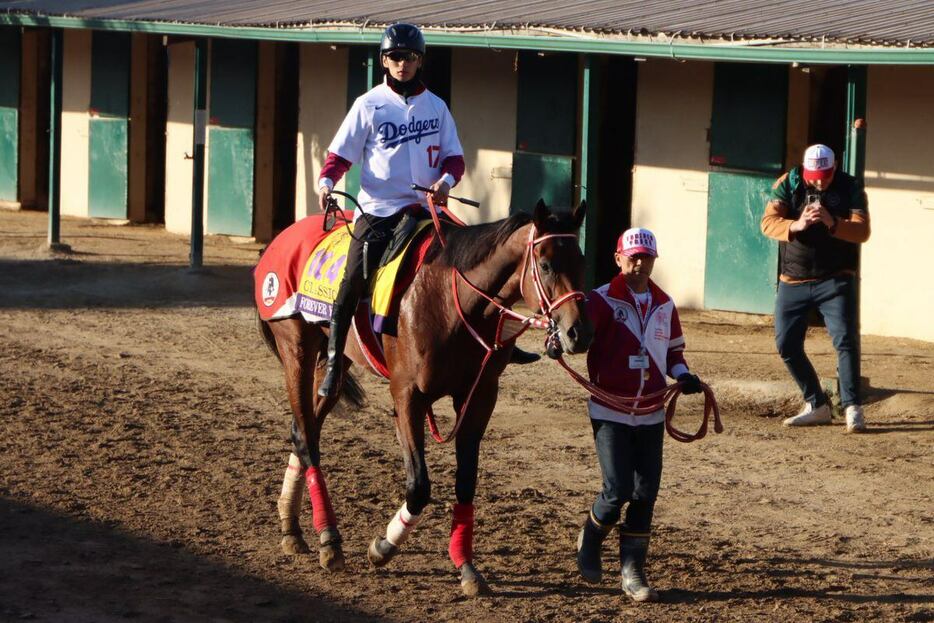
(637, 342)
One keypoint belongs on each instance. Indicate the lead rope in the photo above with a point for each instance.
(669, 395)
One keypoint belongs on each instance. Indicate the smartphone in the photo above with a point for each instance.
(812, 197)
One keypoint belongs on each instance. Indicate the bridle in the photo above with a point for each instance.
(540, 320)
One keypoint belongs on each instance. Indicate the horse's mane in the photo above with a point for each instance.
(470, 245)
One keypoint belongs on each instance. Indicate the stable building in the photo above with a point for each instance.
(677, 117)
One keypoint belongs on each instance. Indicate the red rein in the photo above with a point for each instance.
(668, 395)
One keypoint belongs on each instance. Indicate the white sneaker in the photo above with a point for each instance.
(854, 419)
(809, 416)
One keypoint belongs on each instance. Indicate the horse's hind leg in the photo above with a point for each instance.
(300, 346)
(410, 429)
(289, 504)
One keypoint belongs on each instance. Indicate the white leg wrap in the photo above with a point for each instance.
(401, 526)
(293, 489)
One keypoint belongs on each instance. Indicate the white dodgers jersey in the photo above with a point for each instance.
(397, 142)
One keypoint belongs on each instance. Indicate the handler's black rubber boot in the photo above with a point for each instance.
(633, 549)
(340, 326)
(522, 357)
(589, 541)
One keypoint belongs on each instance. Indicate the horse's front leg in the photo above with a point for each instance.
(468, 440)
(411, 407)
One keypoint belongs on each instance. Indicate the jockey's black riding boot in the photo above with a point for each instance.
(633, 549)
(522, 357)
(341, 317)
(589, 542)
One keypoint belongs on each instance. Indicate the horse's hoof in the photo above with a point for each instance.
(330, 554)
(294, 545)
(381, 552)
(472, 583)
(331, 558)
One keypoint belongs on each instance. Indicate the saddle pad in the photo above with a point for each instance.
(301, 270)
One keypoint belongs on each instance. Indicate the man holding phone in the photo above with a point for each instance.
(820, 216)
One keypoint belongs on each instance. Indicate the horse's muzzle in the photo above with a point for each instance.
(572, 340)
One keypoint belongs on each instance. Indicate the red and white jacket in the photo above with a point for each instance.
(622, 328)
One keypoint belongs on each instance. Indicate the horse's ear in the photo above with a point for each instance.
(579, 212)
(541, 213)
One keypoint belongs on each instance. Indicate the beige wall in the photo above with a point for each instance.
(483, 102)
(669, 194)
(322, 104)
(178, 137)
(897, 286)
(76, 99)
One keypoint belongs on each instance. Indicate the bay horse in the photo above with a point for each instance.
(437, 352)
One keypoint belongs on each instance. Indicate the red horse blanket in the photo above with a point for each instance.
(301, 270)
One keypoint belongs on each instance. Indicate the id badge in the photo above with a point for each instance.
(638, 362)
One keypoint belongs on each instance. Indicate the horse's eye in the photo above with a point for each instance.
(545, 266)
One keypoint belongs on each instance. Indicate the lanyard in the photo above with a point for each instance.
(643, 317)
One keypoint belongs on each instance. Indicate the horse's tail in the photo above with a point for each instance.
(351, 390)
(266, 332)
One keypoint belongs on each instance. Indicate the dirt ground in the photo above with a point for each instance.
(144, 434)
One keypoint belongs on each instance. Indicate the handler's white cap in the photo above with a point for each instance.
(818, 163)
(637, 240)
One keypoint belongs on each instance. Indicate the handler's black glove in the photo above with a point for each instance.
(690, 384)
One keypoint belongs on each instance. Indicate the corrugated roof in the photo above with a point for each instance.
(862, 22)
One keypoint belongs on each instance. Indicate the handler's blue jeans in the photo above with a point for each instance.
(835, 298)
(631, 461)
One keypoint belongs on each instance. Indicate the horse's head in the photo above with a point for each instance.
(553, 277)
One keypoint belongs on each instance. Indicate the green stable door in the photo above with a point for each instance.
(546, 131)
(108, 128)
(9, 113)
(747, 149)
(231, 137)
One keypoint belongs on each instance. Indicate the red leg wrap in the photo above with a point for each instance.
(461, 548)
(320, 500)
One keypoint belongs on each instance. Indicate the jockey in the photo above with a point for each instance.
(399, 132)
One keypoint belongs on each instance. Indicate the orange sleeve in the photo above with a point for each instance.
(853, 229)
(774, 224)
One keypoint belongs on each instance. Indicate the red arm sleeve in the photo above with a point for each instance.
(455, 166)
(334, 168)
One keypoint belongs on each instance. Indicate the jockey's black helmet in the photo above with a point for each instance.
(402, 37)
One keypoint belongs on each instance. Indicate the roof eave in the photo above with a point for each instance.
(762, 49)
